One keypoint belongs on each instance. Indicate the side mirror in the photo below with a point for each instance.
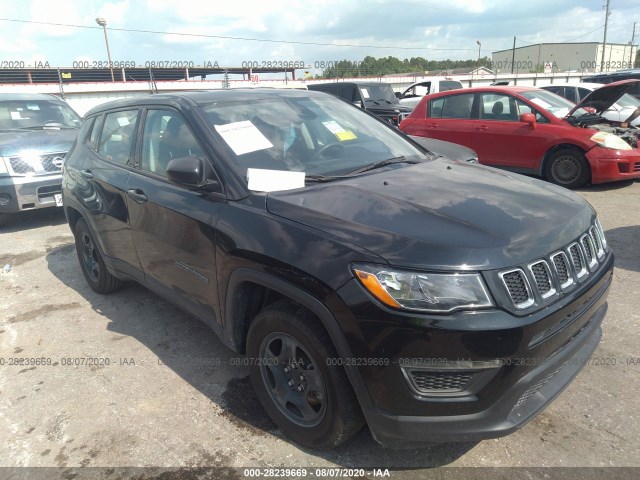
(398, 95)
(529, 118)
(186, 171)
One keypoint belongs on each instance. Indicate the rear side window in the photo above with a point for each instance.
(118, 135)
(583, 92)
(454, 106)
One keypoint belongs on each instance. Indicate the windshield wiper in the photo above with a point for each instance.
(58, 126)
(323, 178)
(382, 163)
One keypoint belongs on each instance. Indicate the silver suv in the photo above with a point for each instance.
(36, 132)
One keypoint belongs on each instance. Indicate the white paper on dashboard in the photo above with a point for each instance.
(262, 180)
(243, 137)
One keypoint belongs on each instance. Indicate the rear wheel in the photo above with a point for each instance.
(311, 401)
(93, 267)
(568, 168)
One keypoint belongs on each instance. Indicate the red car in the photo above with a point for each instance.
(533, 131)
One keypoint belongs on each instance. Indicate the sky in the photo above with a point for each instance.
(309, 31)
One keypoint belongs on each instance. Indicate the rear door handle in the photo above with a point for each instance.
(86, 174)
(137, 195)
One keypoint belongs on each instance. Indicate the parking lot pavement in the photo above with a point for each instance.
(129, 380)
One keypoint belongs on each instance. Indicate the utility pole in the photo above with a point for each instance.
(513, 55)
(633, 39)
(604, 41)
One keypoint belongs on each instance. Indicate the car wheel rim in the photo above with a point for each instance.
(566, 169)
(90, 257)
(292, 379)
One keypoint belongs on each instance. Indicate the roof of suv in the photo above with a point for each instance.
(204, 97)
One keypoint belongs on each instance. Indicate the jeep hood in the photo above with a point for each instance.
(442, 215)
(15, 142)
(604, 97)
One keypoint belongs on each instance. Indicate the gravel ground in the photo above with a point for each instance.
(162, 390)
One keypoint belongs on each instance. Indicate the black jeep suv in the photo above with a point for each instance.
(367, 279)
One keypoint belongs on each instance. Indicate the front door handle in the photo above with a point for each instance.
(137, 195)
(482, 128)
(86, 174)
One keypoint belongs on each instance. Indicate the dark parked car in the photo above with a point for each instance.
(365, 279)
(36, 131)
(375, 97)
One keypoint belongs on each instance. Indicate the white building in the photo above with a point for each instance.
(583, 57)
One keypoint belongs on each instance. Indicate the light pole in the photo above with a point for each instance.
(103, 23)
(479, 47)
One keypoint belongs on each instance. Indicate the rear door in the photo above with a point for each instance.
(101, 177)
(173, 227)
(450, 118)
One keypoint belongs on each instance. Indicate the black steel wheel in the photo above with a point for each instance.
(309, 399)
(91, 263)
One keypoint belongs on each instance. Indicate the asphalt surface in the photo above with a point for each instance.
(129, 380)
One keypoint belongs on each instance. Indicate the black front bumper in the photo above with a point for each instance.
(528, 377)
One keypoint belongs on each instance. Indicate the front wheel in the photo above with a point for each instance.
(568, 168)
(91, 263)
(310, 400)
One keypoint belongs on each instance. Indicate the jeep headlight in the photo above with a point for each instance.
(3, 167)
(609, 140)
(427, 292)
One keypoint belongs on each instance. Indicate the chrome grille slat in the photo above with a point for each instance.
(518, 288)
(542, 278)
(557, 273)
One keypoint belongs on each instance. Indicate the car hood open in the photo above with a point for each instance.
(441, 215)
(604, 97)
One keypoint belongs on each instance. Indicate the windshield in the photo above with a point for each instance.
(318, 135)
(30, 114)
(382, 93)
(628, 101)
(552, 103)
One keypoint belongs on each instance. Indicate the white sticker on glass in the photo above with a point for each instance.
(243, 137)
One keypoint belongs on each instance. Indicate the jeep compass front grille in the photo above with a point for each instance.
(37, 164)
(557, 273)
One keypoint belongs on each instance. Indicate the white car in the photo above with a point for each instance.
(414, 92)
(618, 112)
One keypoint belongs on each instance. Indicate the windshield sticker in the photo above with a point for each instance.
(340, 133)
(365, 92)
(33, 107)
(243, 137)
(123, 121)
(540, 102)
(17, 116)
(262, 180)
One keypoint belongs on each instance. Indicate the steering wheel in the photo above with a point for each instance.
(325, 149)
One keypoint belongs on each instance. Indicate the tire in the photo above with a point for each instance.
(91, 263)
(568, 168)
(290, 348)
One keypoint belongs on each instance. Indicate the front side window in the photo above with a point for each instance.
(166, 137)
(117, 137)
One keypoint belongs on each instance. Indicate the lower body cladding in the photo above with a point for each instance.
(28, 193)
(474, 375)
(609, 165)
